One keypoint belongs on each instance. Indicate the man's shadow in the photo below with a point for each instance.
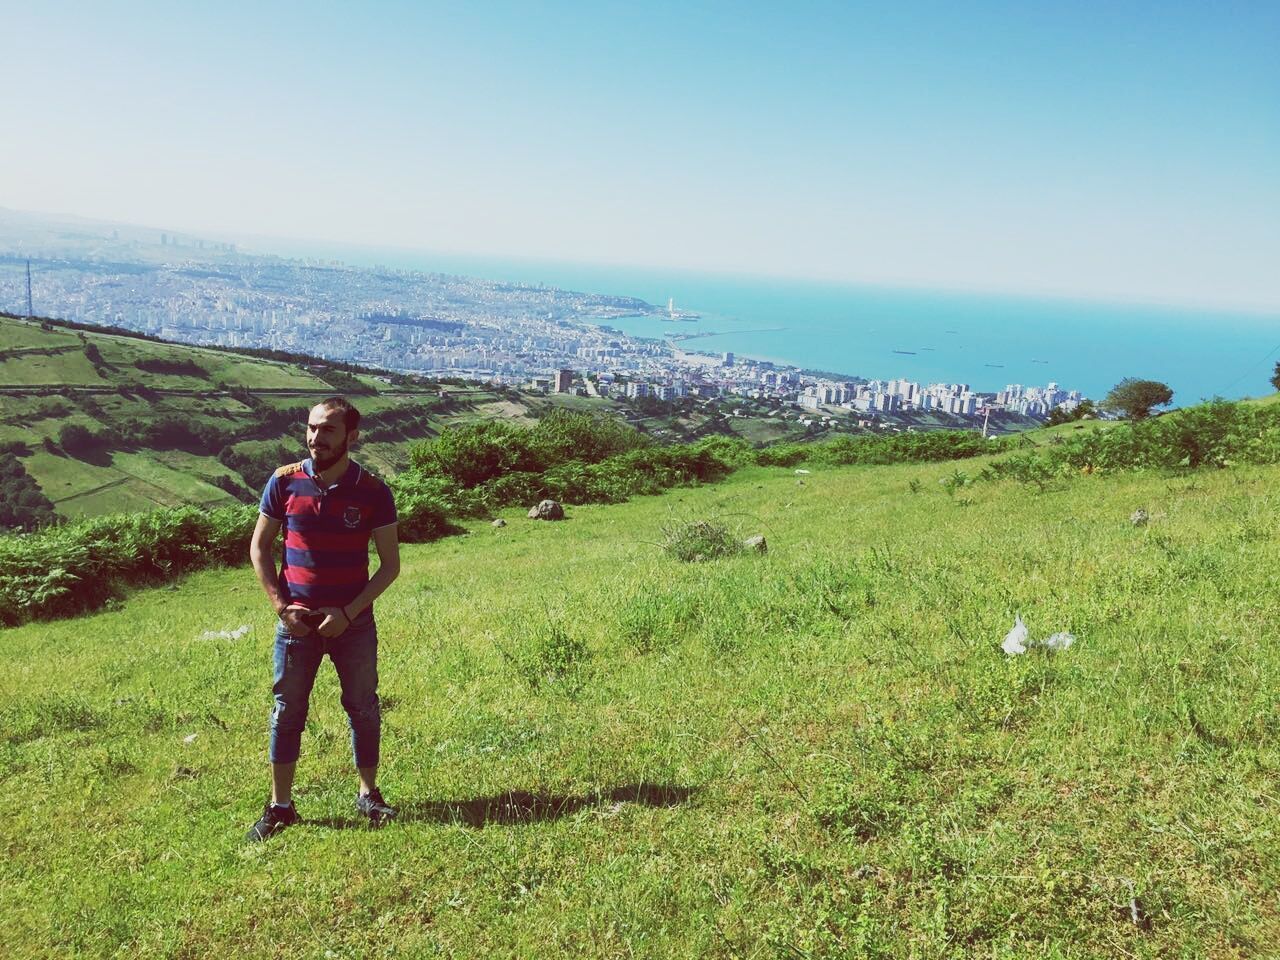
(521, 806)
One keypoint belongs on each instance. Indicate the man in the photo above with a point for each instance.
(329, 507)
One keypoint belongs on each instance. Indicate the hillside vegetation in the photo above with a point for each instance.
(469, 471)
(111, 423)
(99, 421)
(820, 751)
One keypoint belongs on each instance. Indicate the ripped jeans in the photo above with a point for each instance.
(297, 659)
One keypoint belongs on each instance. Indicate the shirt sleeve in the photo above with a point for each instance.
(384, 509)
(272, 503)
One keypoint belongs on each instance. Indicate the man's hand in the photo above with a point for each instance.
(291, 616)
(335, 621)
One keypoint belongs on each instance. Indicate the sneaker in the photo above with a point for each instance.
(273, 820)
(375, 808)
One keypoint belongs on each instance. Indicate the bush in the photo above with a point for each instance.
(74, 438)
(422, 518)
(562, 436)
(933, 446)
(699, 540)
(477, 453)
(23, 505)
(569, 457)
(77, 567)
(173, 366)
(471, 454)
(1217, 433)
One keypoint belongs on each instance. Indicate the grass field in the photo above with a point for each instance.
(601, 752)
(16, 336)
(126, 482)
(66, 367)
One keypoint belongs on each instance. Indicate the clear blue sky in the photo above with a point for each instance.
(1109, 149)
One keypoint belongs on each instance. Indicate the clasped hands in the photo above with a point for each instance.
(300, 621)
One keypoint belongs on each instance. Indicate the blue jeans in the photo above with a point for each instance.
(297, 659)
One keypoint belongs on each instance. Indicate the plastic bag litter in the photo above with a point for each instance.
(235, 634)
(1015, 641)
(1059, 641)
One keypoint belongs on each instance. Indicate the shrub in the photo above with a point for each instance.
(74, 438)
(699, 540)
(76, 567)
(174, 366)
(456, 501)
(549, 657)
(784, 455)
(422, 518)
(471, 454)
(561, 436)
(23, 505)
(1217, 433)
(572, 458)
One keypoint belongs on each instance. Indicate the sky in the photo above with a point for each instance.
(1104, 150)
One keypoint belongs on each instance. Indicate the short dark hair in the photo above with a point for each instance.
(350, 415)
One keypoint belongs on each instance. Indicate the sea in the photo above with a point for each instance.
(985, 340)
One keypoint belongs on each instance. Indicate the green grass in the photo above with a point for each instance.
(61, 477)
(20, 335)
(173, 483)
(67, 367)
(602, 752)
(127, 482)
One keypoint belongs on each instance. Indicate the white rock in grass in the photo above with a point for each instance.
(1015, 641)
(190, 738)
(1060, 641)
(803, 473)
(235, 634)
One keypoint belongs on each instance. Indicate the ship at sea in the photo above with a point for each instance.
(909, 353)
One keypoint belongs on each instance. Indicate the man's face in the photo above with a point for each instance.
(327, 437)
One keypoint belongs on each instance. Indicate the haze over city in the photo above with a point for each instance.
(1095, 151)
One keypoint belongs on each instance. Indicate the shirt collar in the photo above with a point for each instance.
(351, 475)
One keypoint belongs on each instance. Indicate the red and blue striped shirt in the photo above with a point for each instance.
(326, 532)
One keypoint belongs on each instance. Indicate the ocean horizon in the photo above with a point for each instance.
(987, 340)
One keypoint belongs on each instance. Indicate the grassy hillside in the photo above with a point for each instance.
(600, 751)
(54, 377)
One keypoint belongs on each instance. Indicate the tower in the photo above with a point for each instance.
(30, 312)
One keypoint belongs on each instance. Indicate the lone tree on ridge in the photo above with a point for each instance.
(1135, 398)
(1275, 376)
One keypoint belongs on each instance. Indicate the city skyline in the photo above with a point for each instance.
(1090, 152)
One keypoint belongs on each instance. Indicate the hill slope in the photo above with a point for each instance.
(181, 424)
(600, 751)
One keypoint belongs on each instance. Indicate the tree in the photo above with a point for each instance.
(1134, 398)
(1084, 408)
(1275, 376)
(73, 438)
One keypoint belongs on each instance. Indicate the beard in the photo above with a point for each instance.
(324, 459)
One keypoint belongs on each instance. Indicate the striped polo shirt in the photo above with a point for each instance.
(326, 532)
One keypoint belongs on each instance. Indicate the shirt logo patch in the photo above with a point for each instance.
(351, 517)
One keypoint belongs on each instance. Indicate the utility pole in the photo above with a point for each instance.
(30, 312)
(985, 421)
